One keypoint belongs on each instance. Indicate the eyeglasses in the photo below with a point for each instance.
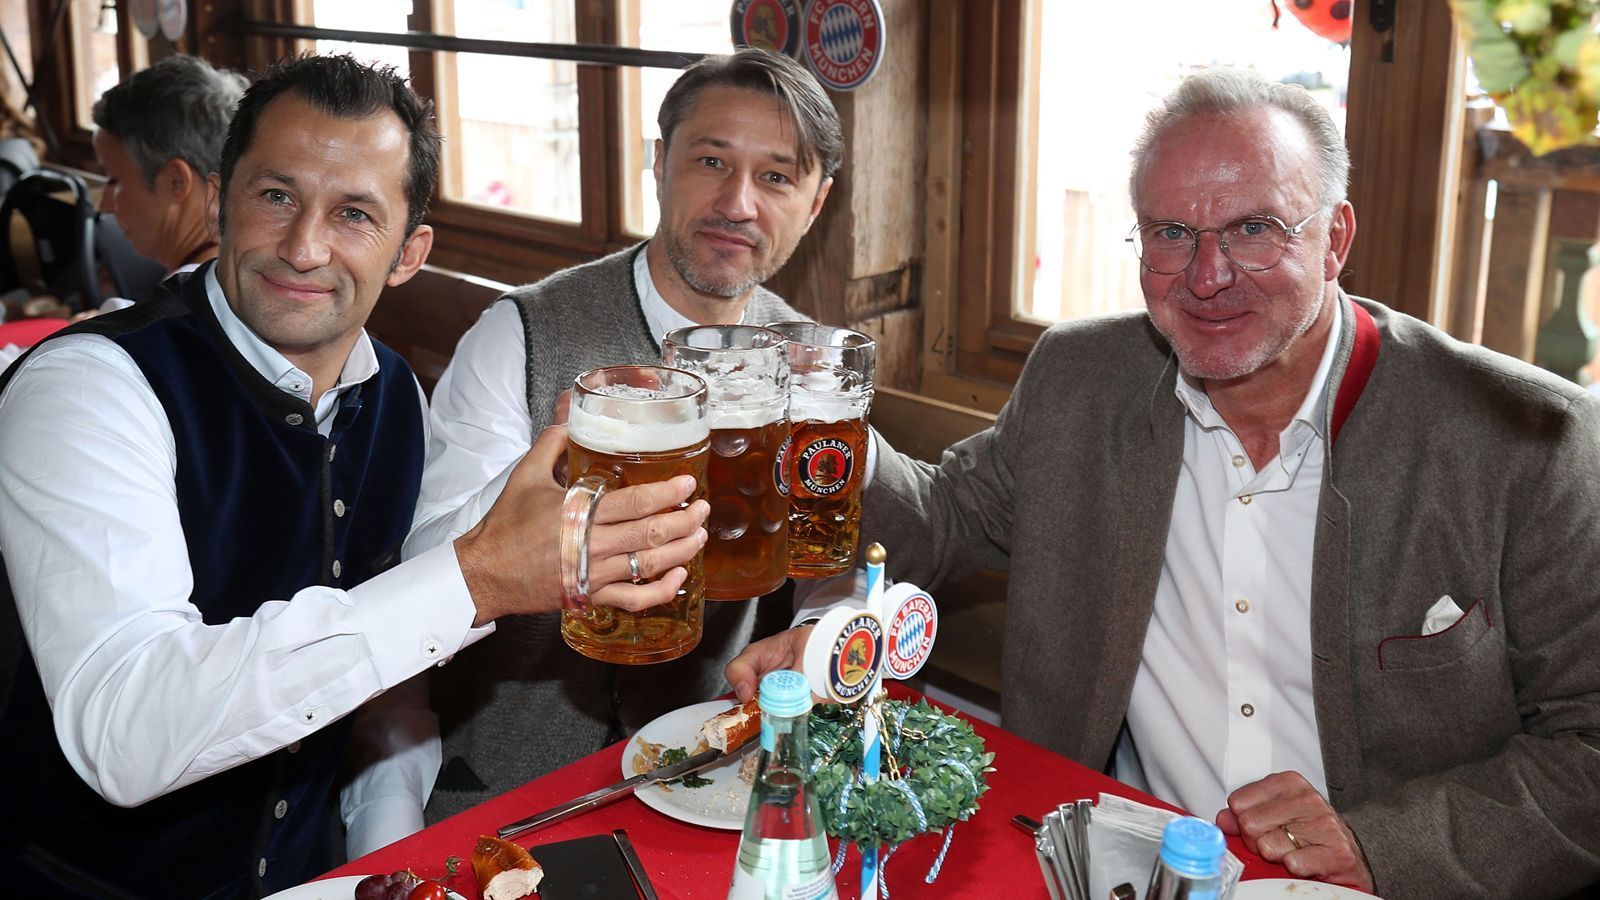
(1253, 243)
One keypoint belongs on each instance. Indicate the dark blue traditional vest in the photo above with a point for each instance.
(268, 507)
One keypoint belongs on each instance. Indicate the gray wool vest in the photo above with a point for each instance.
(522, 703)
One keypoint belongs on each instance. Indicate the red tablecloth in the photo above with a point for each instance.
(27, 332)
(691, 861)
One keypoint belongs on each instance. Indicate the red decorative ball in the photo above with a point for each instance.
(1332, 19)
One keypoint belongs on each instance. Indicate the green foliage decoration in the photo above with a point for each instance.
(1540, 61)
(930, 760)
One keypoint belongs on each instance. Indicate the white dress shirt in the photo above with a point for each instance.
(1223, 695)
(480, 424)
(148, 698)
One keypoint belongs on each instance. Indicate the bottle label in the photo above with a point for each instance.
(769, 735)
(746, 886)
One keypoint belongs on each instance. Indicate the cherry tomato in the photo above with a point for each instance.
(429, 890)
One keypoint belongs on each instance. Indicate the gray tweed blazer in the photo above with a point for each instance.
(1467, 762)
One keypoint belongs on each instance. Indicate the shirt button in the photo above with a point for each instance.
(338, 508)
(309, 715)
(281, 810)
(295, 386)
(1238, 461)
(338, 568)
(294, 747)
(293, 419)
(1242, 606)
(1245, 499)
(1247, 710)
(261, 868)
(431, 649)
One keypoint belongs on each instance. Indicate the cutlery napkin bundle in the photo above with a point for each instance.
(1086, 850)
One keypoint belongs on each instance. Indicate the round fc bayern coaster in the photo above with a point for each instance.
(767, 24)
(844, 41)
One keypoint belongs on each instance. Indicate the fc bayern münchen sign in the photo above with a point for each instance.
(843, 41)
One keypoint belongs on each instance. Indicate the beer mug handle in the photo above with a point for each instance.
(577, 521)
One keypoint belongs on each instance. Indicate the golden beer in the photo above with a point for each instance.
(830, 392)
(746, 371)
(824, 470)
(635, 431)
(748, 554)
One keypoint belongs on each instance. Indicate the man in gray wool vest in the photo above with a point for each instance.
(749, 145)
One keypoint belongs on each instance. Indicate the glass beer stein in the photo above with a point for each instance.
(746, 370)
(830, 392)
(630, 425)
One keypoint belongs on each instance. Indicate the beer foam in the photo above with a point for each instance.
(612, 435)
(828, 395)
(748, 415)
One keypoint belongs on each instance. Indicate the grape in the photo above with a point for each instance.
(394, 886)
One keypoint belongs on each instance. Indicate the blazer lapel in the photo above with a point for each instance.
(1332, 685)
(1153, 452)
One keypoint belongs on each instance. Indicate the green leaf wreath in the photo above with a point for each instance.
(931, 774)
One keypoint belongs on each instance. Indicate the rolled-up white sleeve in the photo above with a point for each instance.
(146, 697)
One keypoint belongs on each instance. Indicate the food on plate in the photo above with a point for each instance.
(429, 890)
(653, 756)
(394, 886)
(729, 730)
(505, 871)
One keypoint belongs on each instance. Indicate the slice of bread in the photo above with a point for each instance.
(729, 730)
(505, 871)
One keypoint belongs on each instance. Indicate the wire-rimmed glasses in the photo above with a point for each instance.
(1254, 243)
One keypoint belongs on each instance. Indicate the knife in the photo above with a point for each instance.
(636, 868)
(606, 794)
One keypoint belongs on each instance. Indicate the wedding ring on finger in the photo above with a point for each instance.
(637, 577)
(1298, 845)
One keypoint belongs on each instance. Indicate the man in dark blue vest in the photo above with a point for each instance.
(202, 499)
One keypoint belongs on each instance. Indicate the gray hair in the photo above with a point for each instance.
(1225, 92)
(178, 108)
(819, 138)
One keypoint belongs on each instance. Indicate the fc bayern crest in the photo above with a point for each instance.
(843, 41)
(912, 628)
(767, 24)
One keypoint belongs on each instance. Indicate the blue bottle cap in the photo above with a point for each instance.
(785, 693)
(1193, 847)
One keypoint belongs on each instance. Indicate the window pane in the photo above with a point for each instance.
(695, 26)
(94, 58)
(511, 124)
(14, 19)
(371, 15)
(1077, 263)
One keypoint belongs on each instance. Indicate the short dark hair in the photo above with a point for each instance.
(343, 86)
(178, 108)
(819, 138)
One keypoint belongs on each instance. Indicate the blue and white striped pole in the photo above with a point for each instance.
(872, 744)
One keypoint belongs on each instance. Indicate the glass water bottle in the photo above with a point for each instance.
(1190, 864)
(783, 852)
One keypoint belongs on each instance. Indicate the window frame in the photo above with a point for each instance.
(508, 245)
(1404, 154)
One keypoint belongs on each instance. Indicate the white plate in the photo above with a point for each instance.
(1294, 889)
(343, 888)
(720, 804)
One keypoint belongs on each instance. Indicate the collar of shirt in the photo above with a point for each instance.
(658, 313)
(361, 365)
(1309, 421)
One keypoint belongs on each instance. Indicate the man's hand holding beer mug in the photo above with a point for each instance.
(511, 563)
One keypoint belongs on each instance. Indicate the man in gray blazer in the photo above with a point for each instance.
(1282, 555)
